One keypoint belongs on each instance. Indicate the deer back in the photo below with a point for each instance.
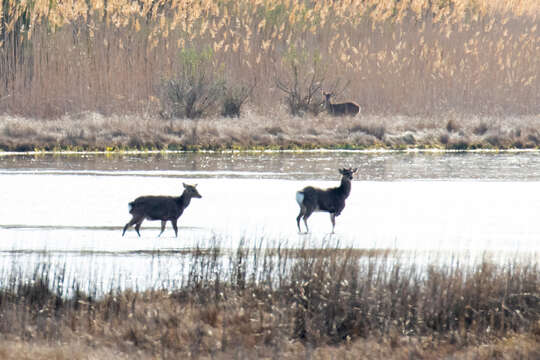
(348, 108)
(157, 207)
(330, 200)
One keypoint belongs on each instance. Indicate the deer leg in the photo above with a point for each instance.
(130, 223)
(306, 216)
(163, 223)
(302, 212)
(333, 220)
(138, 225)
(175, 227)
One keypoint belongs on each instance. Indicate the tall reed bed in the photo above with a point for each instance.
(409, 57)
(278, 302)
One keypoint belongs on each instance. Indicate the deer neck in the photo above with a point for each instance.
(345, 187)
(184, 200)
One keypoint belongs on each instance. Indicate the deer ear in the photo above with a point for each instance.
(195, 185)
(185, 185)
(340, 171)
(355, 170)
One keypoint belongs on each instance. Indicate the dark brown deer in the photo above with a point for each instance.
(348, 108)
(164, 208)
(330, 200)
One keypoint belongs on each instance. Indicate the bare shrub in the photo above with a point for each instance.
(444, 139)
(274, 130)
(408, 139)
(195, 92)
(459, 144)
(19, 130)
(377, 131)
(452, 126)
(534, 139)
(192, 97)
(495, 140)
(302, 83)
(481, 128)
(234, 98)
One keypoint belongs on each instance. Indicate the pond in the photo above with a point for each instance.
(68, 210)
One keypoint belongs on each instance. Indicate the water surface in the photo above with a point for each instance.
(70, 209)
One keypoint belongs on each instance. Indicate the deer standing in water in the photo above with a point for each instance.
(348, 108)
(164, 208)
(331, 200)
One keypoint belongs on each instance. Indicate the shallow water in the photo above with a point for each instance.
(70, 209)
(373, 165)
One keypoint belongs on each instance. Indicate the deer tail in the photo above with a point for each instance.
(130, 207)
(300, 197)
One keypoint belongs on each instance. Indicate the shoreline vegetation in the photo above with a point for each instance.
(249, 74)
(95, 132)
(254, 302)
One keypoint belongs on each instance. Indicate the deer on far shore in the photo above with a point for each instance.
(342, 109)
(164, 208)
(331, 200)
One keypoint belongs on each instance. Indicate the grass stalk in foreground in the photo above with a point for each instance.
(285, 303)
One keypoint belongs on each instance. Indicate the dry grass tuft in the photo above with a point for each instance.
(284, 303)
(93, 131)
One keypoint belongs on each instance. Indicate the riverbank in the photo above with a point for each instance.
(94, 132)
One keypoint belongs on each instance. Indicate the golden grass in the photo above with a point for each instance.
(405, 57)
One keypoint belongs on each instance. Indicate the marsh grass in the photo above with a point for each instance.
(284, 303)
(92, 131)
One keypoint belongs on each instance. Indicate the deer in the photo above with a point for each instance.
(348, 108)
(164, 208)
(330, 200)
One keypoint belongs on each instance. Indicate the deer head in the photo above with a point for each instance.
(348, 173)
(191, 191)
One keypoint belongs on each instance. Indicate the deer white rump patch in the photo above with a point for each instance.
(299, 197)
(130, 207)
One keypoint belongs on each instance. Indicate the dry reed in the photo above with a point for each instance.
(408, 57)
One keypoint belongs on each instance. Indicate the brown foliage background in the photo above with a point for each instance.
(393, 57)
